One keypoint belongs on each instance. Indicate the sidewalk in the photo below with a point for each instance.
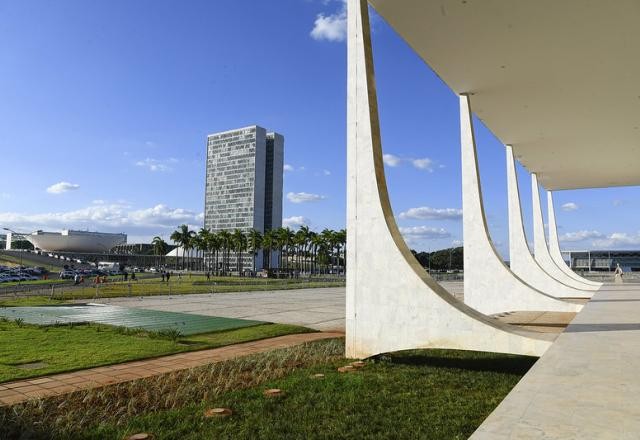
(45, 386)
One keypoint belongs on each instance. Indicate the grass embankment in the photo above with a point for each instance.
(43, 283)
(184, 286)
(426, 394)
(28, 301)
(72, 347)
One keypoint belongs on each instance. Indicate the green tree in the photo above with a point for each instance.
(240, 245)
(268, 244)
(160, 249)
(254, 242)
(226, 242)
(183, 237)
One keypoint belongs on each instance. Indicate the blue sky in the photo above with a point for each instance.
(105, 107)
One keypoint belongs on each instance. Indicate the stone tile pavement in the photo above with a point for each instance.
(586, 386)
(22, 390)
(320, 309)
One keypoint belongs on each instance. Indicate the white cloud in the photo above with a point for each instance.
(423, 164)
(457, 243)
(62, 187)
(107, 217)
(618, 202)
(424, 233)
(156, 165)
(295, 221)
(427, 213)
(287, 167)
(580, 236)
(303, 197)
(391, 160)
(570, 206)
(326, 172)
(618, 240)
(331, 27)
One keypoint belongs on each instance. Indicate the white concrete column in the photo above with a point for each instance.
(7, 245)
(521, 261)
(391, 302)
(540, 249)
(489, 285)
(554, 247)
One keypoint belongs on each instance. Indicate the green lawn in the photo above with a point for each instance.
(195, 284)
(66, 348)
(29, 301)
(48, 282)
(426, 394)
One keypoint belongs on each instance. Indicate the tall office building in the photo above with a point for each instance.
(244, 183)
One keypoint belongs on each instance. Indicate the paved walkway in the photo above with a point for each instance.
(587, 385)
(22, 390)
(320, 309)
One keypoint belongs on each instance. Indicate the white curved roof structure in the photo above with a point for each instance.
(75, 241)
(558, 80)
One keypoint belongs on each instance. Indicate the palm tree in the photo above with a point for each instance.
(203, 242)
(240, 245)
(213, 247)
(159, 249)
(268, 243)
(305, 239)
(317, 243)
(285, 239)
(225, 244)
(300, 241)
(182, 237)
(328, 237)
(254, 242)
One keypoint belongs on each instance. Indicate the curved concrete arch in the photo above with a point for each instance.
(522, 262)
(489, 285)
(540, 249)
(392, 303)
(554, 247)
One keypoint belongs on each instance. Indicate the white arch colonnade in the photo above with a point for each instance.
(392, 303)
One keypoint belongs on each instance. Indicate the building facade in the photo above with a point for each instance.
(605, 260)
(243, 188)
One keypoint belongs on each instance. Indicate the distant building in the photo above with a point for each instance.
(73, 241)
(244, 183)
(596, 260)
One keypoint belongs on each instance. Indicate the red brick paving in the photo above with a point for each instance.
(22, 390)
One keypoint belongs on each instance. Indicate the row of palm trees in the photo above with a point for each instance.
(301, 251)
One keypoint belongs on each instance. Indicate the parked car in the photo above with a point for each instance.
(67, 275)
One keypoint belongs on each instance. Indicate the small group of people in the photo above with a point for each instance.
(167, 275)
(133, 276)
(100, 279)
(77, 279)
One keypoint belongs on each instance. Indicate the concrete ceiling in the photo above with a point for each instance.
(557, 79)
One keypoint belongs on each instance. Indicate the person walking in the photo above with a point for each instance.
(208, 276)
(617, 274)
(163, 275)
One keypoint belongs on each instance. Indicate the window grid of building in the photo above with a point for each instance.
(243, 184)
